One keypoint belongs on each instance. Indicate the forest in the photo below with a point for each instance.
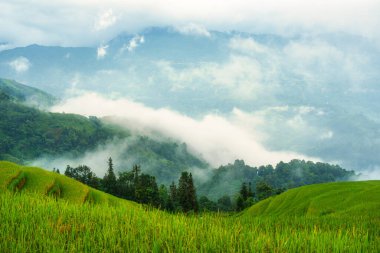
(182, 197)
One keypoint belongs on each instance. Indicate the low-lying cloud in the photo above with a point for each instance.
(219, 140)
(20, 64)
(95, 159)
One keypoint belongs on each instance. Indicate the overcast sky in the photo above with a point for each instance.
(89, 22)
(312, 96)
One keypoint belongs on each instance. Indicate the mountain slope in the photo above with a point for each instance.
(25, 94)
(27, 133)
(18, 178)
(332, 199)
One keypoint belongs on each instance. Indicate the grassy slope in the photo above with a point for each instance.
(40, 181)
(32, 222)
(335, 199)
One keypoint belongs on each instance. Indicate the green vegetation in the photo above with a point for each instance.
(140, 187)
(43, 182)
(334, 199)
(27, 133)
(32, 221)
(284, 176)
(163, 159)
(14, 91)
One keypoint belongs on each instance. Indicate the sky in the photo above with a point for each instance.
(313, 94)
(85, 22)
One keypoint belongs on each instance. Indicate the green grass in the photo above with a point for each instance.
(41, 182)
(333, 199)
(34, 222)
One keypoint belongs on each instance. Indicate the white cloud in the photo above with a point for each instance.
(102, 51)
(133, 43)
(248, 46)
(105, 20)
(218, 139)
(241, 76)
(193, 29)
(20, 64)
(95, 159)
(72, 22)
(327, 135)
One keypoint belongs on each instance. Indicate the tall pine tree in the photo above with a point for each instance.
(187, 197)
(109, 180)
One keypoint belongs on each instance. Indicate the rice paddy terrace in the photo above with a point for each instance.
(43, 211)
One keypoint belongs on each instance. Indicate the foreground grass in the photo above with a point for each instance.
(35, 223)
(42, 211)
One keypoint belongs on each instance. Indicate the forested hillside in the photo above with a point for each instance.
(27, 133)
(17, 92)
(282, 176)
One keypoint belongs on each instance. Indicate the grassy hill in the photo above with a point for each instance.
(16, 178)
(68, 221)
(333, 199)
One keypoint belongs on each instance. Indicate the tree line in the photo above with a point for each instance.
(182, 196)
(140, 187)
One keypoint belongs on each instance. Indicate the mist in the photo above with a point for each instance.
(218, 139)
(95, 159)
(369, 174)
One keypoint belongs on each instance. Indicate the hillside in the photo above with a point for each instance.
(332, 199)
(282, 176)
(16, 178)
(25, 94)
(33, 222)
(27, 133)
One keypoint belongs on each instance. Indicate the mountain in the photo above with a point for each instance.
(321, 88)
(29, 135)
(25, 94)
(137, 66)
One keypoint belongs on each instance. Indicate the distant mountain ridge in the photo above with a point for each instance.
(25, 94)
(28, 134)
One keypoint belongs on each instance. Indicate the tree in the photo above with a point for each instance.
(109, 180)
(207, 205)
(173, 204)
(239, 203)
(70, 172)
(186, 193)
(244, 191)
(146, 190)
(136, 171)
(225, 204)
(192, 194)
(163, 197)
(263, 190)
(83, 174)
(250, 193)
(126, 185)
